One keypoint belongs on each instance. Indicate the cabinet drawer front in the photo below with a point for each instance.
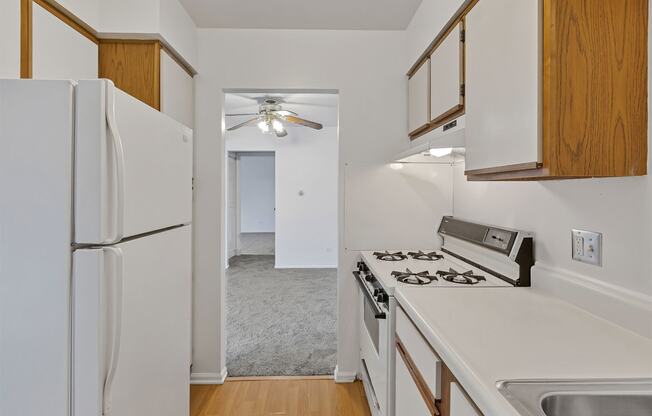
(425, 359)
(408, 398)
(460, 404)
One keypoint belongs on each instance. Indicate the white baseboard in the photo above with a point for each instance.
(621, 306)
(208, 378)
(345, 376)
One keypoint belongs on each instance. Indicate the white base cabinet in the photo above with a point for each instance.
(460, 404)
(408, 398)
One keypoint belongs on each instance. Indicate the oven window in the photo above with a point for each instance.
(371, 323)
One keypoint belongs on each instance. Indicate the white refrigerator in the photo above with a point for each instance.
(95, 253)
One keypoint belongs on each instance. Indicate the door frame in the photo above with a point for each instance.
(340, 376)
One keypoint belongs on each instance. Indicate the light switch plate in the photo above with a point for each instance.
(587, 247)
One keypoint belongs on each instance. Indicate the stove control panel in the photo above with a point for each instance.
(498, 238)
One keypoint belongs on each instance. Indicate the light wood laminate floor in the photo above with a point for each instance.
(288, 397)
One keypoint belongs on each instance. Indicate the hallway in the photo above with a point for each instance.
(280, 322)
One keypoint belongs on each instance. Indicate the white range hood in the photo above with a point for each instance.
(449, 136)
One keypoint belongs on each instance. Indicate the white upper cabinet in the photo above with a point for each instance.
(446, 76)
(177, 94)
(58, 50)
(502, 80)
(419, 97)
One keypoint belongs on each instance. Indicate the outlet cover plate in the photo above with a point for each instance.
(587, 247)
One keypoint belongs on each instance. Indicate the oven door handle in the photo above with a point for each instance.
(369, 298)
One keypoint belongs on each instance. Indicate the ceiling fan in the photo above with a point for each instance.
(271, 118)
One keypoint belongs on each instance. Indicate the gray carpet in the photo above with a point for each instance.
(280, 322)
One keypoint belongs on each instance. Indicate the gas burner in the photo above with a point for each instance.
(420, 255)
(387, 256)
(411, 278)
(466, 278)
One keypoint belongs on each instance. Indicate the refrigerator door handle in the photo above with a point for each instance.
(120, 163)
(116, 305)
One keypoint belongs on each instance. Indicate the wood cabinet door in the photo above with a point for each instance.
(408, 399)
(502, 52)
(419, 98)
(446, 76)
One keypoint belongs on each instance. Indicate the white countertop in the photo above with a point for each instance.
(489, 334)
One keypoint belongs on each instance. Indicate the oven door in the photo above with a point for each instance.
(374, 332)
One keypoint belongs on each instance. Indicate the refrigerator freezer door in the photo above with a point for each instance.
(133, 166)
(132, 326)
(36, 136)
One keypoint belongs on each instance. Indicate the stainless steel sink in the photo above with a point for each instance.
(579, 397)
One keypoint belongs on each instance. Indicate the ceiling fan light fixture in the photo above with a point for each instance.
(263, 126)
(277, 126)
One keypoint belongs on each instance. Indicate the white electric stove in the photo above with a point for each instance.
(473, 255)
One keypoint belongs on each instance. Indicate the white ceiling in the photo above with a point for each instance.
(303, 14)
(318, 107)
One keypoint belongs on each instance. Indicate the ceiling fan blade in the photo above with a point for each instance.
(306, 123)
(246, 123)
(241, 114)
(285, 113)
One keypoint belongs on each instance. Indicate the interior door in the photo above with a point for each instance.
(133, 166)
(446, 76)
(132, 322)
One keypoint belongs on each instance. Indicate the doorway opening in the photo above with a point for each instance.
(251, 204)
(281, 232)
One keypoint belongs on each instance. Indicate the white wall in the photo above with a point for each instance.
(368, 69)
(86, 10)
(144, 18)
(9, 39)
(306, 161)
(621, 208)
(429, 19)
(257, 193)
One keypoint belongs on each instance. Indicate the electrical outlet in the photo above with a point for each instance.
(587, 247)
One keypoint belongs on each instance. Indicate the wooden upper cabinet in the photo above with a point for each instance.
(134, 67)
(556, 89)
(419, 99)
(147, 71)
(447, 76)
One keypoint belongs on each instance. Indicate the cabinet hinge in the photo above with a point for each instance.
(462, 90)
(463, 35)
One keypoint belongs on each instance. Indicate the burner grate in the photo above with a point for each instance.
(466, 278)
(409, 277)
(420, 255)
(387, 256)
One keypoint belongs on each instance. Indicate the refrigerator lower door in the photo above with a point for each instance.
(131, 326)
(133, 167)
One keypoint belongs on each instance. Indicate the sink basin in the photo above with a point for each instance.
(579, 397)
